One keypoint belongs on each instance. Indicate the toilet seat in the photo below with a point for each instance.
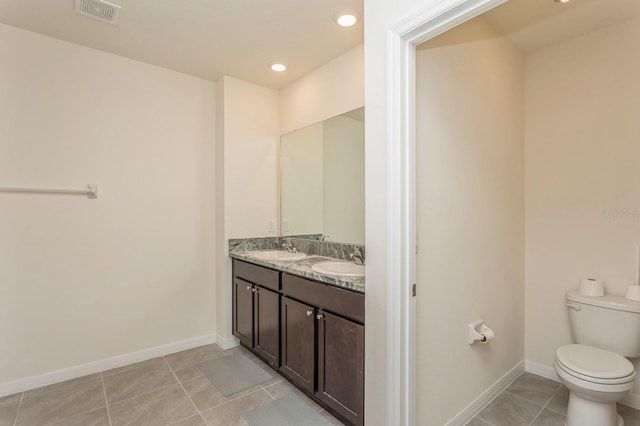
(594, 365)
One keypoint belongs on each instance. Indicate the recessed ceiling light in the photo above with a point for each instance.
(562, 1)
(347, 18)
(278, 67)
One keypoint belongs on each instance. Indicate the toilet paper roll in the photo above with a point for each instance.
(591, 287)
(633, 292)
(488, 335)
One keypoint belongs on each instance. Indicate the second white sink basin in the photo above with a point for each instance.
(278, 255)
(343, 269)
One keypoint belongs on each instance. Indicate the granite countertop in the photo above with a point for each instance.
(302, 268)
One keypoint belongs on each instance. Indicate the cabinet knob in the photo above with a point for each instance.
(309, 313)
(248, 287)
(255, 289)
(320, 316)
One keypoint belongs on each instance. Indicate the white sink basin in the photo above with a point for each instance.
(278, 255)
(343, 269)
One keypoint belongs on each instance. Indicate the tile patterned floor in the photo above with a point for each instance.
(536, 401)
(168, 390)
(171, 390)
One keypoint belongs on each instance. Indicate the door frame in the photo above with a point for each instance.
(402, 40)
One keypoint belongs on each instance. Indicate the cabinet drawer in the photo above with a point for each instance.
(346, 303)
(257, 274)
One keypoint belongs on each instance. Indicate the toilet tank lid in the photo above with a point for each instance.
(608, 301)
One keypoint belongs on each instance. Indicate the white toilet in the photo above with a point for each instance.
(596, 372)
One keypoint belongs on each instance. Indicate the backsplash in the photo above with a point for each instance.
(304, 245)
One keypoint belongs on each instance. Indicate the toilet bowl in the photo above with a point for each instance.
(596, 369)
(596, 379)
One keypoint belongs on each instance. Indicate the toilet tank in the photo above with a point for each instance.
(607, 322)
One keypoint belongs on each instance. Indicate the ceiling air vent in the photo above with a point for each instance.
(99, 9)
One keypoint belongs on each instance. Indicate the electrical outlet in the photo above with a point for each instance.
(285, 225)
(272, 226)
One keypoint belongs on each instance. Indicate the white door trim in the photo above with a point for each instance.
(402, 40)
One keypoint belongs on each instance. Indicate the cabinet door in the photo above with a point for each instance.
(267, 325)
(243, 311)
(341, 366)
(298, 343)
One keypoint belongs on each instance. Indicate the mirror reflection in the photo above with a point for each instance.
(322, 180)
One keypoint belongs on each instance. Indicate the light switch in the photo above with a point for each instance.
(272, 226)
(285, 225)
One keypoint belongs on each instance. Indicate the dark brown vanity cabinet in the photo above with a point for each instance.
(338, 346)
(267, 325)
(313, 333)
(256, 310)
(243, 311)
(341, 365)
(298, 333)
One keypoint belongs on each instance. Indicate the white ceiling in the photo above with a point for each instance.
(205, 38)
(535, 24)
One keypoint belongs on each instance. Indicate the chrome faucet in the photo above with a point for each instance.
(357, 257)
(289, 247)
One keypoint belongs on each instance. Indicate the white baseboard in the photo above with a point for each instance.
(541, 370)
(226, 342)
(33, 382)
(633, 400)
(487, 396)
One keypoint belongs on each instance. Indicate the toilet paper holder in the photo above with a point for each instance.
(479, 332)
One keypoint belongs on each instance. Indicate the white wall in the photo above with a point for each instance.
(83, 280)
(301, 181)
(333, 89)
(470, 216)
(380, 15)
(250, 158)
(249, 141)
(343, 177)
(582, 159)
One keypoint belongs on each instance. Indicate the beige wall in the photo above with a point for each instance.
(582, 159)
(470, 216)
(333, 89)
(82, 280)
(249, 142)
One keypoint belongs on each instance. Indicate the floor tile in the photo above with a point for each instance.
(185, 364)
(57, 387)
(549, 418)
(631, 416)
(230, 413)
(510, 410)
(560, 400)
(155, 408)
(205, 395)
(68, 400)
(136, 381)
(476, 421)
(190, 421)
(9, 408)
(332, 419)
(534, 388)
(97, 417)
(283, 388)
(132, 366)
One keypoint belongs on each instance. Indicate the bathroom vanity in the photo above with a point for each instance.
(311, 332)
